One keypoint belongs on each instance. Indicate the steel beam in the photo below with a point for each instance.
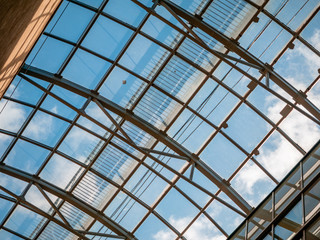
(145, 126)
(68, 197)
(244, 54)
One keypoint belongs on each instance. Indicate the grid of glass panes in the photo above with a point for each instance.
(144, 61)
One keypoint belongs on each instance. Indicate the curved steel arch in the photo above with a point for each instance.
(246, 55)
(144, 125)
(68, 197)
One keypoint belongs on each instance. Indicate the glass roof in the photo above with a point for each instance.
(140, 119)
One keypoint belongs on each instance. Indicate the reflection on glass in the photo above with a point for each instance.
(313, 232)
(312, 201)
(107, 37)
(288, 190)
(26, 156)
(70, 21)
(290, 224)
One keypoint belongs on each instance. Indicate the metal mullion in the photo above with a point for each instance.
(97, 234)
(123, 50)
(15, 233)
(237, 68)
(161, 196)
(117, 20)
(288, 29)
(39, 109)
(135, 198)
(113, 120)
(289, 207)
(54, 150)
(218, 10)
(11, 99)
(16, 203)
(200, 210)
(166, 154)
(61, 39)
(274, 127)
(52, 205)
(24, 125)
(89, 7)
(205, 169)
(112, 67)
(82, 37)
(163, 164)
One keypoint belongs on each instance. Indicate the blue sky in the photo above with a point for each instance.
(128, 78)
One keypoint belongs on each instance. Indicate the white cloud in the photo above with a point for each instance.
(12, 116)
(279, 156)
(201, 228)
(40, 127)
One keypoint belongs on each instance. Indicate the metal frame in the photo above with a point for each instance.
(119, 132)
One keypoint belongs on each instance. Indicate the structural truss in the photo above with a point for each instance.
(140, 119)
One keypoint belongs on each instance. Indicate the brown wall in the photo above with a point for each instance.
(21, 23)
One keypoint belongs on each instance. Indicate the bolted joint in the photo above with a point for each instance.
(299, 97)
(56, 75)
(95, 92)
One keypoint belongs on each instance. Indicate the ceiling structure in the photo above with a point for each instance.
(157, 119)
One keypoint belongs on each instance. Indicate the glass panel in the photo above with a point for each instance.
(80, 145)
(153, 228)
(179, 78)
(61, 172)
(45, 51)
(126, 210)
(12, 184)
(70, 21)
(222, 156)
(228, 16)
(107, 37)
(24, 221)
(5, 207)
(312, 201)
(55, 106)
(4, 142)
(313, 233)
(122, 88)
(125, 10)
(85, 69)
(45, 128)
(8, 236)
(157, 108)
(26, 156)
(290, 224)
(57, 232)
(12, 115)
(145, 185)
(94, 190)
(113, 164)
(288, 190)
(157, 29)
(311, 166)
(22, 90)
(176, 209)
(145, 61)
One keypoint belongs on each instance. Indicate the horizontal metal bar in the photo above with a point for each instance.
(244, 54)
(142, 124)
(60, 193)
